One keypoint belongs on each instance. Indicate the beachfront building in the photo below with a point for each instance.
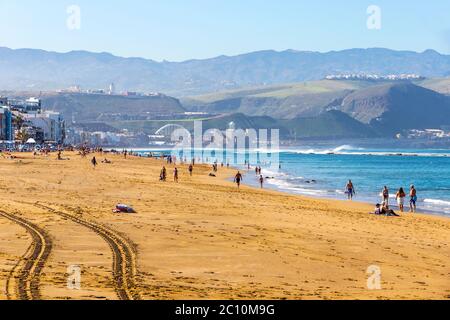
(6, 127)
(51, 123)
(22, 119)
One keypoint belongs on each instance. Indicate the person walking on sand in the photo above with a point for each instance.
(191, 169)
(261, 181)
(94, 162)
(350, 190)
(238, 179)
(413, 199)
(400, 196)
(385, 196)
(163, 175)
(175, 175)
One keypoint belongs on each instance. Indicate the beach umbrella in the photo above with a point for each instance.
(31, 141)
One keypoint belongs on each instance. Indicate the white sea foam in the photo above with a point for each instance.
(438, 202)
(285, 185)
(339, 150)
(351, 150)
(375, 153)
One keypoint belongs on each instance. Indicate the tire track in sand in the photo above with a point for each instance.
(28, 269)
(124, 256)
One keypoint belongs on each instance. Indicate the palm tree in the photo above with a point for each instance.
(18, 122)
(23, 136)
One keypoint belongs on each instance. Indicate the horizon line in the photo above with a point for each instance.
(222, 55)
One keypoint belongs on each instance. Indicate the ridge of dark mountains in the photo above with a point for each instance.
(392, 108)
(332, 124)
(328, 125)
(377, 110)
(29, 69)
(91, 107)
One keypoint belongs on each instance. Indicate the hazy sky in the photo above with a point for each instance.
(184, 29)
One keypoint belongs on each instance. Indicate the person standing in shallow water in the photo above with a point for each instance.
(413, 199)
(261, 181)
(350, 190)
(400, 196)
(385, 197)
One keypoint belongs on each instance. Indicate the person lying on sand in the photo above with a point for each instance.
(388, 212)
(60, 158)
(107, 161)
(384, 210)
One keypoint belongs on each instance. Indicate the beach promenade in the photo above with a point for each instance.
(201, 238)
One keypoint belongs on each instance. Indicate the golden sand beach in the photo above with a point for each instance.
(201, 238)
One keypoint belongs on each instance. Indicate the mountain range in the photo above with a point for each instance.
(266, 89)
(30, 69)
(380, 110)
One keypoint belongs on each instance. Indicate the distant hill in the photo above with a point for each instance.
(322, 109)
(328, 125)
(91, 107)
(439, 85)
(287, 101)
(392, 108)
(28, 69)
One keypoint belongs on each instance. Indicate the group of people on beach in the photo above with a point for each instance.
(163, 175)
(400, 197)
(385, 197)
(258, 170)
(176, 173)
(381, 208)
